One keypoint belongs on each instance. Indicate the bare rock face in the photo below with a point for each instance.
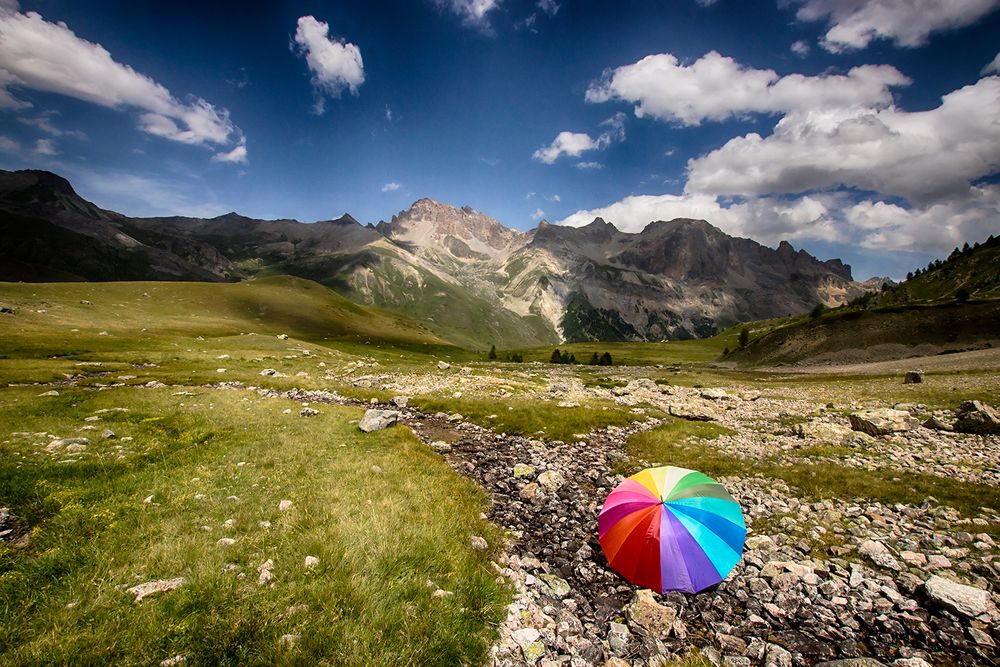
(977, 417)
(376, 420)
(882, 422)
(965, 600)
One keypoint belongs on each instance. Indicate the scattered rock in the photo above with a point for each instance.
(913, 377)
(478, 543)
(443, 365)
(179, 659)
(284, 505)
(156, 587)
(965, 600)
(376, 420)
(654, 618)
(879, 554)
(311, 562)
(883, 421)
(551, 480)
(308, 412)
(52, 392)
(289, 641)
(523, 471)
(977, 417)
(266, 576)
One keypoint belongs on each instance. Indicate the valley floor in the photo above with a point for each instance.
(229, 467)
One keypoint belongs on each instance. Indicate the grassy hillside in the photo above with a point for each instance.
(161, 310)
(950, 305)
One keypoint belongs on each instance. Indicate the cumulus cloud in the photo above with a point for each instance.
(768, 220)
(716, 87)
(391, 187)
(8, 145)
(49, 57)
(921, 156)
(801, 48)
(238, 155)
(908, 23)
(538, 214)
(993, 67)
(46, 147)
(550, 7)
(335, 64)
(474, 13)
(575, 144)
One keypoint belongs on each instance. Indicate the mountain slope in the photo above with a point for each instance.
(951, 306)
(469, 278)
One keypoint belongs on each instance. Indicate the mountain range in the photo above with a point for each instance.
(466, 276)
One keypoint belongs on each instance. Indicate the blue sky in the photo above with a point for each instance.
(862, 129)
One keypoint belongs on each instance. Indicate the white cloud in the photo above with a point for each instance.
(921, 156)
(565, 143)
(474, 13)
(575, 144)
(801, 48)
(538, 214)
(908, 23)
(8, 145)
(934, 229)
(45, 124)
(335, 64)
(238, 155)
(391, 187)
(767, 220)
(706, 3)
(550, 7)
(555, 198)
(993, 67)
(588, 165)
(137, 195)
(716, 87)
(49, 57)
(46, 147)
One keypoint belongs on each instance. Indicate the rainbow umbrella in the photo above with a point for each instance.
(672, 529)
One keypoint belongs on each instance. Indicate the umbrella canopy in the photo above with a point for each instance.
(672, 529)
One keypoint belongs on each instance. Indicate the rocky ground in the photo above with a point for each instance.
(819, 581)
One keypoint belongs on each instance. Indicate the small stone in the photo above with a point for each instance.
(289, 641)
(225, 542)
(555, 586)
(155, 587)
(311, 562)
(148, 500)
(266, 576)
(441, 593)
(443, 365)
(883, 421)
(879, 554)
(619, 638)
(551, 480)
(284, 505)
(282, 336)
(108, 434)
(308, 412)
(913, 377)
(179, 659)
(656, 619)
(523, 470)
(48, 393)
(478, 543)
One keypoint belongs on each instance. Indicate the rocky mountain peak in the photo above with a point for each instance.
(435, 227)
